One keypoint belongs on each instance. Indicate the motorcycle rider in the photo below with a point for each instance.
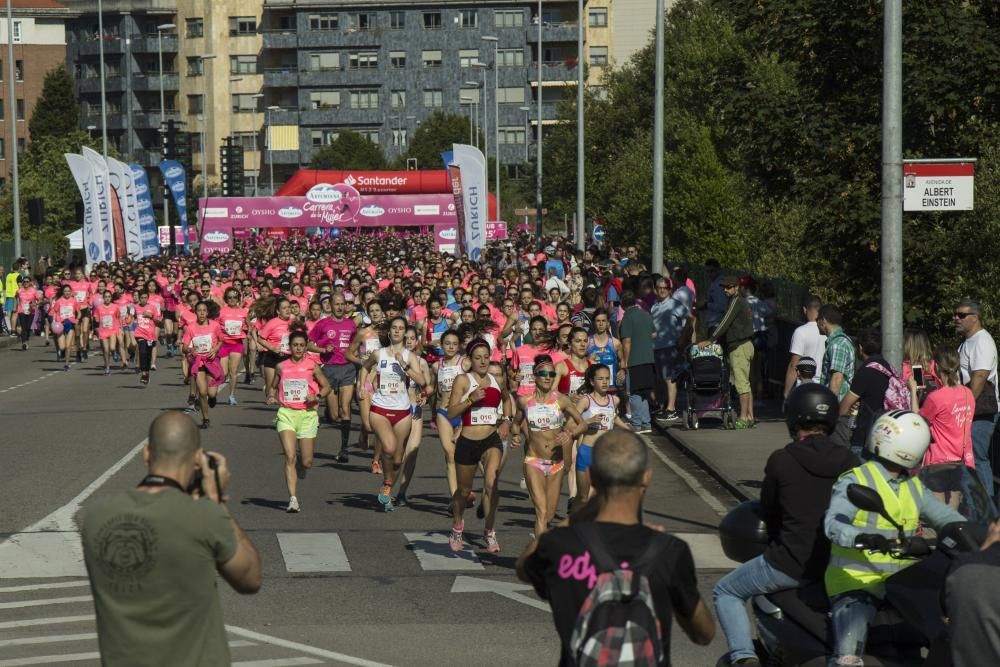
(859, 566)
(796, 491)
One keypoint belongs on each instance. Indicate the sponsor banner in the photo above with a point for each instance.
(455, 176)
(424, 181)
(475, 198)
(938, 186)
(445, 238)
(148, 235)
(124, 188)
(496, 231)
(163, 234)
(173, 175)
(102, 198)
(93, 240)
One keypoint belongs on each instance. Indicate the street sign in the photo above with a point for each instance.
(529, 211)
(598, 233)
(938, 186)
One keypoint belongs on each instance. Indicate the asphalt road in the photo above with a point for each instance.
(344, 583)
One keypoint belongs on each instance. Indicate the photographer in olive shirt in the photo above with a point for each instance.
(152, 554)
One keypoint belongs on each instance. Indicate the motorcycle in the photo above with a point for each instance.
(793, 626)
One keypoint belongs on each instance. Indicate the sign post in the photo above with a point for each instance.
(939, 185)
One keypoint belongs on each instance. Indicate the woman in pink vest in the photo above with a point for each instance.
(202, 340)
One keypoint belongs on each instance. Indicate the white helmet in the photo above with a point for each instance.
(900, 437)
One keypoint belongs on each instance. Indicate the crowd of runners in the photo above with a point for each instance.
(517, 352)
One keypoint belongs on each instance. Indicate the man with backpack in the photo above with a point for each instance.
(588, 570)
(876, 389)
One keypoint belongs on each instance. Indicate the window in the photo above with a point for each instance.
(364, 99)
(508, 18)
(598, 55)
(324, 21)
(20, 146)
(363, 60)
(1, 109)
(244, 103)
(196, 66)
(19, 70)
(195, 104)
(242, 64)
(367, 21)
(324, 62)
(194, 27)
(399, 137)
(598, 18)
(510, 57)
(3, 151)
(20, 109)
(433, 99)
(470, 18)
(432, 20)
(17, 32)
(398, 99)
(510, 95)
(600, 92)
(247, 141)
(470, 96)
(467, 56)
(324, 136)
(196, 143)
(1, 69)
(431, 58)
(397, 20)
(242, 25)
(324, 99)
(286, 23)
(370, 134)
(397, 59)
(511, 135)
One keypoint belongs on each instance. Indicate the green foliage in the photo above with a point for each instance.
(434, 136)
(348, 151)
(57, 112)
(773, 146)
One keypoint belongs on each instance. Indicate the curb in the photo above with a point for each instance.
(730, 484)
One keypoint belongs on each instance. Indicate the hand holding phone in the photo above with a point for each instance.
(918, 376)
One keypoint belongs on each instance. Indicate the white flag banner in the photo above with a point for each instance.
(93, 241)
(475, 198)
(102, 196)
(121, 182)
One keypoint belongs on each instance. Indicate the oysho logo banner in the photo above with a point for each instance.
(173, 174)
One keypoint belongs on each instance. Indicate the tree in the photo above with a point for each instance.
(435, 136)
(57, 112)
(349, 151)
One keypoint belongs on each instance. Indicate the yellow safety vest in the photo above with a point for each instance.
(857, 569)
(10, 284)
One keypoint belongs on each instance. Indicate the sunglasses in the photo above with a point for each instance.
(961, 316)
(545, 374)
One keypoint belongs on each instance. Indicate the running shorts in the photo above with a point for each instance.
(230, 348)
(340, 375)
(305, 423)
(470, 452)
(455, 423)
(584, 455)
(270, 359)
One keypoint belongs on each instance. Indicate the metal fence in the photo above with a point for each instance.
(30, 249)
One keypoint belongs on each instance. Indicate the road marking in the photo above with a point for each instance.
(689, 479)
(278, 662)
(56, 620)
(39, 587)
(313, 552)
(44, 603)
(434, 554)
(501, 588)
(304, 648)
(51, 547)
(49, 659)
(48, 639)
(707, 551)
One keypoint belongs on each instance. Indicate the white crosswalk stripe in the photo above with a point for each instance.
(313, 552)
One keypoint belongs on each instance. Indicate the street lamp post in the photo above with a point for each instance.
(581, 223)
(475, 102)
(100, 50)
(256, 182)
(204, 129)
(892, 185)
(270, 154)
(496, 114)
(15, 183)
(467, 102)
(163, 120)
(526, 111)
(538, 148)
(486, 124)
(657, 241)
(232, 124)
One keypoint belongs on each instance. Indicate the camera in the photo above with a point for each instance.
(197, 482)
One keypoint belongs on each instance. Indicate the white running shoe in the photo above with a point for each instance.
(232, 400)
(293, 505)
(524, 485)
(492, 545)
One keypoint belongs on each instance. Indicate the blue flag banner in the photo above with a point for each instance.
(173, 173)
(148, 234)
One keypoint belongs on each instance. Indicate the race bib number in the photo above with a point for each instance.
(123, 311)
(436, 338)
(65, 312)
(80, 296)
(483, 416)
(294, 390)
(544, 418)
(234, 327)
(575, 382)
(446, 378)
(528, 375)
(201, 344)
(372, 344)
(107, 321)
(26, 307)
(283, 345)
(390, 383)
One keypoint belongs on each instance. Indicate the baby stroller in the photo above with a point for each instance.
(707, 387)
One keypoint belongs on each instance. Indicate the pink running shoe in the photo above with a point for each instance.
(455, 539)
(492, 545)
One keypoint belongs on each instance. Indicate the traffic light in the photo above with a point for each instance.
(231, 168)
(170, 140)
(411, 164)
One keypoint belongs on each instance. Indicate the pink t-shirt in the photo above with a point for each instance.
(26, 300)
(233, 324)
(202, 337)
(948, 411)
(298, 382)
(107, 320)
(65, 309)
(275, 332)
(329, 332)
(146, 318)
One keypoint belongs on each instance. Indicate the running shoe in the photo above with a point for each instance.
(385, 497)
(376, 468)
(153, 367)
(232, 400)
(206, 423)
(212, 400)
(170, 352)
(107, 370)
(492, 545)
(293, 505)
(191, 399)
(115, 357)
(644, 429)
(401, 500)
(144, 379)
(670, 416)
(455, 540)
(66, 367)
(24, 347)
(85, 353)
(79, 356)
(343, 456)
(523, 484)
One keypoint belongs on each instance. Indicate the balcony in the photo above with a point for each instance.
(152, 120)
(112, 83)
(341, 77)
(349, 37)
(553, 72)
(116, 120)
(341, 116)
(281, 77)
(553, 32)
(283, 116)
(92, 47)
(280, 39)
(282, 157)
(151, 82)
(150, 44)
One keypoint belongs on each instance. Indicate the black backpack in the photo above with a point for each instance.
(617, 624)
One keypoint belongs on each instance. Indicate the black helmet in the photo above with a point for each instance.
(743, 533)
(811, 403)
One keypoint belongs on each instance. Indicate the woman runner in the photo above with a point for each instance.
(65, 311)
(419, 392)
(233, 321)
(273, 337)
(300, 385)
(108, 329)
(603, 348)
(145, 334)
(202, 341)
(595, 400)
(366, 341)
(26, 303)
(445, 370)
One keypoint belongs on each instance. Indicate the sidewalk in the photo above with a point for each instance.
(735, 458)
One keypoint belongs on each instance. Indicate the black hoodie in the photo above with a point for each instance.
(794, 499)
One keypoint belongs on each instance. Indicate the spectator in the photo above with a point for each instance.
(917, 351)
(682, 284)
(805, 371)
(717, 301)
(554, 262)
(619, 475)
(807, 341)
(735, 331)
(671, 318)
(972, 604)
(978, 357)
(152, 554)
(10, 286)
(839, 356)
(763, 320)
(866, 396)
(637, 334)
